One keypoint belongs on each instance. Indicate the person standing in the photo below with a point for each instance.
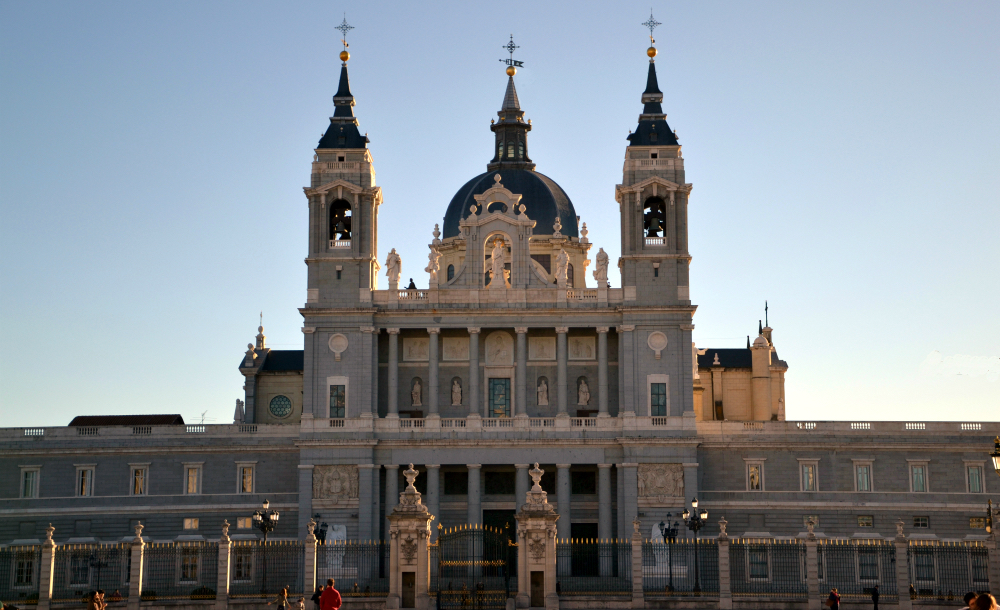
(875, 597)
(281, 600)
(833, 602)
(316, 596)
(330, 600)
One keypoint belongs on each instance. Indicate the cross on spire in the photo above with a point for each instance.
(511, 62)
(344, 28)
(651, 24)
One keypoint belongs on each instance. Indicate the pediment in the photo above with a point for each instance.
(340, 186)
(654, 183)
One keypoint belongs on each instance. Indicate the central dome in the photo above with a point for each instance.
(544, 200)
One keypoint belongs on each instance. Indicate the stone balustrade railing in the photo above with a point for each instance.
(547, 297)
(208, 430)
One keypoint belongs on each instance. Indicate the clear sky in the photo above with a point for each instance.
(844, 157)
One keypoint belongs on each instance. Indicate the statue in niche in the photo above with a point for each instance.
(415, 393)
(543, 393)
(583, 392)
(601, 272)
(498, 259)
(433, 266)
(562, 268)
(392, 268)
(456, 393)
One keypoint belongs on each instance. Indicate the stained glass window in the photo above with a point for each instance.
(499, 397)
(338, 400)
(280, 406)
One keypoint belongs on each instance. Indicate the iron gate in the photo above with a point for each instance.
(476, 568)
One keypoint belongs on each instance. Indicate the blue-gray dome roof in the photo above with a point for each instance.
(543, 198)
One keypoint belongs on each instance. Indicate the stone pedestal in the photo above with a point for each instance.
(222, 575)
(409, 556)
(725, 584)
(47, 569)
(812, 569)
(902, 569)
(135, 569)
(536, 551)
(638, 597)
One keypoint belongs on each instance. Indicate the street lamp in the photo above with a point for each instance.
(996, 455)
(668, 532)
(265, 520)
(321, 529)
(695, 520)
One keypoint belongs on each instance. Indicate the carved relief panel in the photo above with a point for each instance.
(661, 482)
(337, 483)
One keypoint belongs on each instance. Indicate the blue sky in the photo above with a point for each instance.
(844, 158)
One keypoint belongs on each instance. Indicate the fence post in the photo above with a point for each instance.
(812, 568)
(47, 570)
(135, 569)
(222, 576)
(638, 599)
(992, 557)
(309, 571)
(725, 592)
(902, 568)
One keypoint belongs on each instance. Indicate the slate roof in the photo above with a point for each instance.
(127, 420)
(541, 195)
(342, 123)
(741, 358)
(284, 360)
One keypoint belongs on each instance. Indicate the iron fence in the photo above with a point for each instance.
(594, 567)
(682, 568)
(19, 570)
(768, 568)
(81, 568)
(360, 569)
(260, 570)
(946, 570)
(180, 570)
(855, 567)
(476, 568)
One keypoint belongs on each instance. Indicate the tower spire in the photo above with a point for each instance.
(653, 129)
(511, 150)
(343, 131)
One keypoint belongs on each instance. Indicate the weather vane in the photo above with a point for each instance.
(651, 24)
(511, 62)
(344, 28)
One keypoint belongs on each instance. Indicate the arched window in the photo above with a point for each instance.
(280, 406)
(451, 272)
(510, 150)
(569, 275)
(340, 220)
(500, 151)
(520, 150)
(654, 217)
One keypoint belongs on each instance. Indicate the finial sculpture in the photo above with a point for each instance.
(536, 477)
(138, 531)
(583, 234)
(411, 476)
(557, 226)
(225, 531)
(722, 527)
(51, 530)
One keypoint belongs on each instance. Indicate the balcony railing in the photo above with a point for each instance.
(337, 244)
(655, 241)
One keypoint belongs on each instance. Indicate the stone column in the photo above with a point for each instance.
(812, 569)
(393, 410)
(605, 529)
(536, 551)
(309, 560)
(391, 487)
(725, 586)
(474, 372)
(135, 569)
(602, 371)
(561, 356)
(46, 571)
(475, 509)
(365, 493)
(434, 496)
(563, 498)
(521, 397)
(521, 483)
(305, 496)
(629, 505)
(432, 372)
(222, 574)
(638, 597)
(902, 568)
(409, 535)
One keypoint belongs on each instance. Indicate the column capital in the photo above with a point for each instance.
(369, 329)
(562, 330)
(473, 466)
(605, 465)
(429, 466)
(391, 466)
(521, 329)
(603, 329)
(563, 465)
(392, 331)
(474, 331)
(520, 466)
(433, 331)
(626, 328)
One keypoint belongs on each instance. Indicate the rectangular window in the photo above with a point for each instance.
(84, 481)
(809, 477)
(977, 523)
(918, 478)
(246, 479)
(866, 521)
(192, 479)
(658, 399)
(189, 564)
(499, 398)
(191, 523)
(24, 570)
(863, 477)
(921, 522)
(244, 523)
(975, 476)
(338, 400)
(139, 480)
(755, 476)
(29, 482)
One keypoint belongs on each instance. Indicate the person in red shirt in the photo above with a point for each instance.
(330, 600)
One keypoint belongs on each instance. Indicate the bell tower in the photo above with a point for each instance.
(652, 200)
(343, 208)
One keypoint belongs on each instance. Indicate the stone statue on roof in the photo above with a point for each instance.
(392, 268)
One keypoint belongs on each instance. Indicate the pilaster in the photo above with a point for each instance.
(561, 357)
(474, 504)
(222, 574)
(474, 372)
(563, 499)
(393, 398)
(432, 372)
(638, 598)
(521, 397)
(602, 371)
(365, 493)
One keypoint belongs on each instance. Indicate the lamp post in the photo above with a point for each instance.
(695, 520)
(321, 529)
(669, 533)
(265, 520)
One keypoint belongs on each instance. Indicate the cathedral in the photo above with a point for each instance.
(518, 351)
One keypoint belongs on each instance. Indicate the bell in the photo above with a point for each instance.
(654, 227)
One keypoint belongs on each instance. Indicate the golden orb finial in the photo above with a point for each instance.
(651, 51)
(344, 56)
(511, 70)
